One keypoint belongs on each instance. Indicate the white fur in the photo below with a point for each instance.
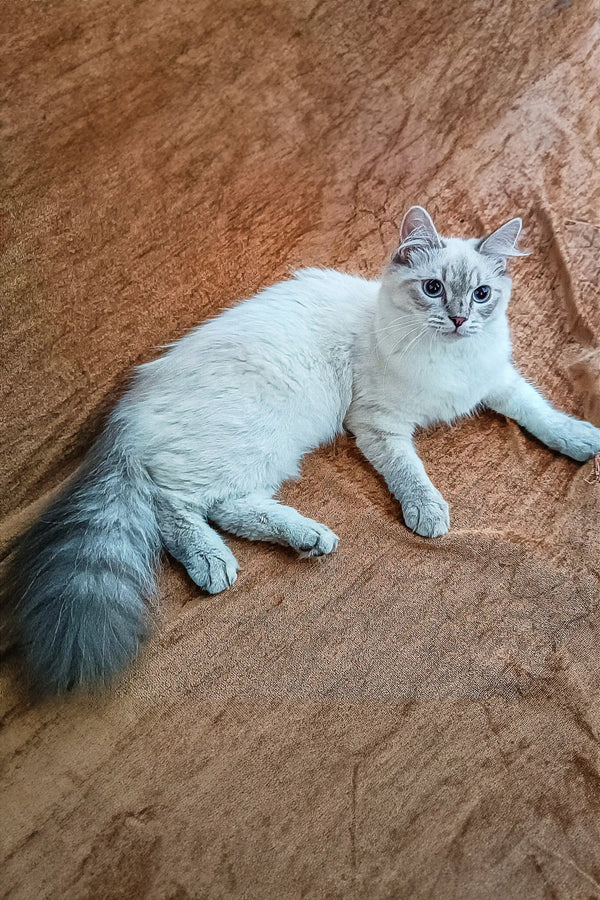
(225, 416)
(232, 407)
(208, 433)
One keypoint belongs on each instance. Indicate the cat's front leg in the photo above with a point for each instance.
(519, 400)
(393, 455)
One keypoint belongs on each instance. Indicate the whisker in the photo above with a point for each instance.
(396, 323)
(406, 335)
(418, 337)
(407, 330)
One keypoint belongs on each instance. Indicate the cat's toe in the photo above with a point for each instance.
(429, 518)
(214, 573)
(222, 574)
(582, 442)
(318, 540)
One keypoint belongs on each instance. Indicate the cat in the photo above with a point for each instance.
(208, 432)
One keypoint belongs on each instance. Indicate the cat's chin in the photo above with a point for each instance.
(451, 335)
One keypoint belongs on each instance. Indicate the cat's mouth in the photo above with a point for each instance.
(451, 334)
(451, 330)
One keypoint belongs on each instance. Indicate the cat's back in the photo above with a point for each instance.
(324, 304)
(285, 336)
(266, 381)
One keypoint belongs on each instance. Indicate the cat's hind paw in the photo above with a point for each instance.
(315, 540)
(428, 517)
(214, 573)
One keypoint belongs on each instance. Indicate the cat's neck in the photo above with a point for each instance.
(426, 378)
(403, 342)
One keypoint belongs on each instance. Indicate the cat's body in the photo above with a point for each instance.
(208, 432)
(282, 358)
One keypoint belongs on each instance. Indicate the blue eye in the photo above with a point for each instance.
(482, 293)
(433, 288)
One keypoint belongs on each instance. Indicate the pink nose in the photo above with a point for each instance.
(458, 320)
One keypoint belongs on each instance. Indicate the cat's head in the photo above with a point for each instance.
(455, 287)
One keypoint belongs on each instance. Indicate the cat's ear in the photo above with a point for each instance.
(502, 243)
(417, 233)
(417, 225)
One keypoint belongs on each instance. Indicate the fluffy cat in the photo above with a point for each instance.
(208, 432)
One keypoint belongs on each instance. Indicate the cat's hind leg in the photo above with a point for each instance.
(261, 518)
(189, 538)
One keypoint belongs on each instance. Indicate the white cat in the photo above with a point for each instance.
(208, 432)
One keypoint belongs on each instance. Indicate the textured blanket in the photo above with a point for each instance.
(405, 719)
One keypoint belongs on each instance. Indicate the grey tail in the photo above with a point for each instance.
(80, 577)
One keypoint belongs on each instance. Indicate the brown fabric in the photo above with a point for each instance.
(408, 718)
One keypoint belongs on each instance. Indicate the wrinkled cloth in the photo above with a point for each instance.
(405, 719)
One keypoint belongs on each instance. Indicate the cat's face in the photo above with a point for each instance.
(453, 287)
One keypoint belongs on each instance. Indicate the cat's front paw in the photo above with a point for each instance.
(579, 440)
(427, 516)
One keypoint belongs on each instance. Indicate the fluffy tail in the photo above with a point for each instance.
(81, 575)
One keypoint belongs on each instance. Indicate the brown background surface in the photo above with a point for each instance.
(408, 718)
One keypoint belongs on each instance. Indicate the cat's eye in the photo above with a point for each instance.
(433, 288)
(482, 293)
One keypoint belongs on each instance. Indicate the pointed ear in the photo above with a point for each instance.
(502, 243)
(417, 223)
(417, 233)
